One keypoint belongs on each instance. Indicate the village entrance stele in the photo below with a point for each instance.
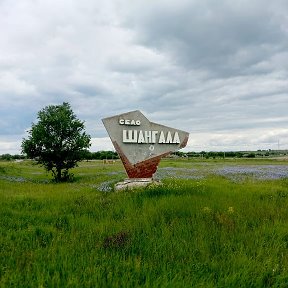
(141, 144)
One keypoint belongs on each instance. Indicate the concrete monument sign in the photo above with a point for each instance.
(140, 143)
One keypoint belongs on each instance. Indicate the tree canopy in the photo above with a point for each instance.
(57, 141)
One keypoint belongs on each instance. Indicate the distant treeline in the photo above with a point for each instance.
(102, 155)
(87, 155)
(231, 154)
(9, 157)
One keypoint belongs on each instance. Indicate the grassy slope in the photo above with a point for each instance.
(208, 233)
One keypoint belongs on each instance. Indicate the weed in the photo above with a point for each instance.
(116, 241)
(62, 223)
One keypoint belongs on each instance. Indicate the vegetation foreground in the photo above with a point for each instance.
(208, 230)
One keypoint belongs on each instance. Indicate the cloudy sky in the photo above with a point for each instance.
(217, 69)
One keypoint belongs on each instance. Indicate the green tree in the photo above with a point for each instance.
(58, 141)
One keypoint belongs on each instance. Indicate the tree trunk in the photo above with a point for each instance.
(58, 174)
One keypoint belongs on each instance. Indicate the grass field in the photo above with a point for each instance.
(213, 223)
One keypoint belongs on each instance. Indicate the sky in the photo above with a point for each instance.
(216, 69)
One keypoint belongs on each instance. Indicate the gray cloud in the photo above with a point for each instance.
(217, 70)
(224, 37)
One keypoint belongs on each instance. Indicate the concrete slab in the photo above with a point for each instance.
(134, 183)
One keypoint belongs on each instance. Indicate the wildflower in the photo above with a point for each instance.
(206, 210)
(231, 210)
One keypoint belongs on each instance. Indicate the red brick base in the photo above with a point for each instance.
(144, 169)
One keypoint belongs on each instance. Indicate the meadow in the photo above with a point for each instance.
(213, 223)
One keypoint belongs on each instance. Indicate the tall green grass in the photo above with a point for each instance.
(210, 232)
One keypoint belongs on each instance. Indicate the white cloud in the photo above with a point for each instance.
(12, 85)
(252, 139)
(101, 144)
(10, 144)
